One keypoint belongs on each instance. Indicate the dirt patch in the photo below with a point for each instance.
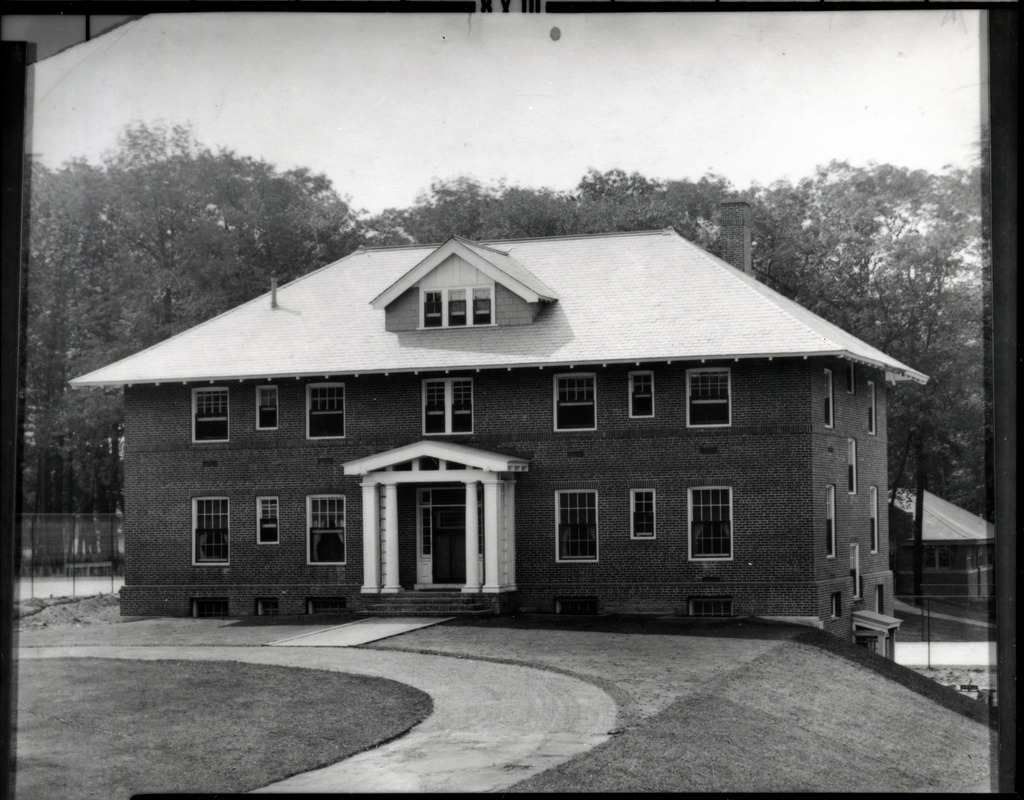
(57, 612)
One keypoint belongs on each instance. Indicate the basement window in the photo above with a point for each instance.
(209, 607)
(267, 607)
(711, 607)
(210, 414)
(576, 605)
(325, 605)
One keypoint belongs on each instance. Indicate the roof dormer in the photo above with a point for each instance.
(462, 284)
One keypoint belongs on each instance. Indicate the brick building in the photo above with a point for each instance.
(617, 422)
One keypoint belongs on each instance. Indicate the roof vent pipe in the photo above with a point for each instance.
(273, 292)
(735, 233)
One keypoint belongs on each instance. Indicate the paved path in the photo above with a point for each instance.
(899, 605)
(492, 724)
(363, 631)
(946, 654)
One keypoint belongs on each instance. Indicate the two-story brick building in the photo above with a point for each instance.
(607, 422)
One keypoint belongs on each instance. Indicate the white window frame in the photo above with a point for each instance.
(277, 406)
(873, 408)
(554, 408)
(830, 514)
(689, 525)
(851, 377)
(851, 461)
(195, 394)
(259, 516)
(654, 512)
(855, 569)
(344, 407)
(830, 396)
(873, 516)
(449, 394)
(632, 376)
(195, 522)
(689, 387)
(444, 291)
(344, 528)
(597, 527)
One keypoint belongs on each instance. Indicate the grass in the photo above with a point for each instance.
(109, 728)
(801, 717)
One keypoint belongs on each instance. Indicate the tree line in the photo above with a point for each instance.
(166, 233)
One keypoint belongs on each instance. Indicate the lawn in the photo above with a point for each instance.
(108, 728)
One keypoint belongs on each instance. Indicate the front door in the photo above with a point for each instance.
(449, 544)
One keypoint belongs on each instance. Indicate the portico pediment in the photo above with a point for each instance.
(465, 457)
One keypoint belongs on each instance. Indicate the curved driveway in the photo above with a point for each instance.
(492, 724)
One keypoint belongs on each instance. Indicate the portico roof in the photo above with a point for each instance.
(468, 457)
(875, 621)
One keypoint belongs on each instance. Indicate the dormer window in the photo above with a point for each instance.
(450, 308)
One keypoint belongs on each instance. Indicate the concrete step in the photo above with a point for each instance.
(419, 612)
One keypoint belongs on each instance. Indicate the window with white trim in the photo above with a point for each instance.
(457, 307)
(266, 520)
(325, 410)
(710, 523)
(641, 502)
(837, 605)
(210, 530)
(855, 570)
(873, 516)
(830, 521)
(575, 402)
(641, 394)
(266, 408)
(851, 378)
(829, 420)
(872, 408)
(938, 557)
(576, 534)
(708, 393)
(326, 524)
(851, 466)
(210, 414)
(448, 405)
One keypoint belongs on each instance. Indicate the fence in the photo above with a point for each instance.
(62, 555)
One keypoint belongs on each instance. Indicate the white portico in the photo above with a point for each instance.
(447, 520)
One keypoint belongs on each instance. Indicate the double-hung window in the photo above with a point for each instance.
(851, 466)
(873, 520)
(828, 399)
(325, 410)
(575, 402)
(457, 307)
(707, 397)
(576, 536)
(210, 414)
(851, 378)
(266, 408)
(711, 523)
(855, 571)
(210, 530)
(641, 513)
(937, 557)
(326, 525)
(266, 520)
(448, 405)
(872, 408)
(830, 521)
(641, 394)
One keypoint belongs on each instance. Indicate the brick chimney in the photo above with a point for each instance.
(736, 234)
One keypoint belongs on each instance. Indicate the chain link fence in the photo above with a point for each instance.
(69, 555)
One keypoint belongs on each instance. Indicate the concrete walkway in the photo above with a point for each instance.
(945, 654)
(900, 605)
(364, 631)
(492, 724)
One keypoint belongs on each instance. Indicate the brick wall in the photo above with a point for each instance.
(774, 457)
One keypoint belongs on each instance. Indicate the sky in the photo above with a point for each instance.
(386, 104)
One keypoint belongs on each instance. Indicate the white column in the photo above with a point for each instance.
(371, 540)
(472, 541)
(391, 584)
(491, 518)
